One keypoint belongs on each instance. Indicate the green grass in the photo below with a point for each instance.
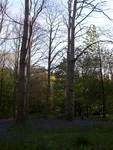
(79, 137)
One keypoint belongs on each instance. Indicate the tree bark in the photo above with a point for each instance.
(70, 62)
(21, 114)
(102, 88)
(48, 90)
(15, 89)
(28, 78)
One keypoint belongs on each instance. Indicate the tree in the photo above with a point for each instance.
(21, 114)
(92, 37)
(102, 83)
(3, 9)
(52, 43)
(25, 56)
(16, 45)
(35, 9)
(75, 20)
(70, 60)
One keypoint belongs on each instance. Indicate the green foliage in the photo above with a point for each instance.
(38, 84)
(92, 35)
(6, 100)
(88, 80)
(59, 86)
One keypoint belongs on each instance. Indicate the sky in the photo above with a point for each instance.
(97, 19)
(16, 5)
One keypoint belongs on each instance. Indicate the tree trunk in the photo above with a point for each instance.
(47, 94)
(48, 90)
(102, 88)
(15, 89)
(22, 68)
(69, 92)
(70, 62)
(1, 88)
(28, 83)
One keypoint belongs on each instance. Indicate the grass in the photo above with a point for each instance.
(79, 137)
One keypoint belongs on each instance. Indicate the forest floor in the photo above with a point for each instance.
(52, 134)
(44, 124)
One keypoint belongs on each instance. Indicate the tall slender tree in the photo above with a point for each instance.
(32, 11)
(70, 59)
(21, 114)
(75, 26)
(96, 49)
(52, 43)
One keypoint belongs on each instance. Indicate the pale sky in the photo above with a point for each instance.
(98, 20)
(16, 5)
